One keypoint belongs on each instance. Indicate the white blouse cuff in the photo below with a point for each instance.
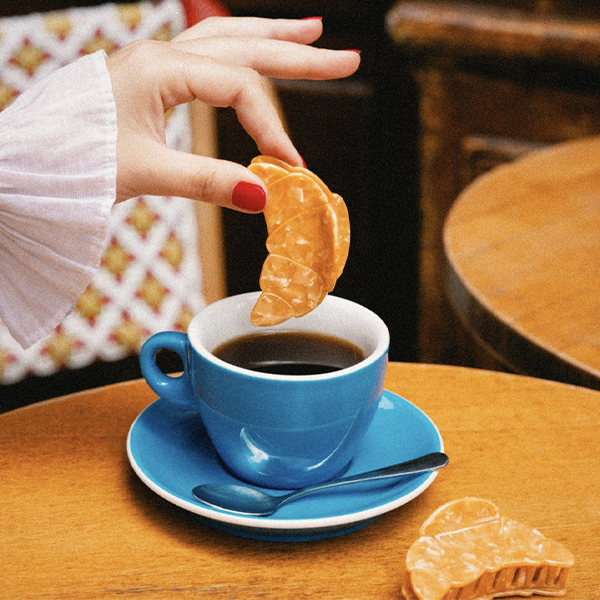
(57, 186)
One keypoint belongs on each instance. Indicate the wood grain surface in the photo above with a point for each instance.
(477, 30)
(522, 245)
(494, 79)
(76, 523)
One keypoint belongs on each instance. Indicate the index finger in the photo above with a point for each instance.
(186, 76)
(275, 58)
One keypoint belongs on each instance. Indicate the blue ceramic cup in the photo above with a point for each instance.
(278, 431)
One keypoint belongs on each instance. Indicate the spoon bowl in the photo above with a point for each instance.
(248, 500)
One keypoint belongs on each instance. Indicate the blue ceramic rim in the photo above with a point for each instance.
(284, 524)
(378, 324)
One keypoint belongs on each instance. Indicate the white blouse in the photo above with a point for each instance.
(57, 186)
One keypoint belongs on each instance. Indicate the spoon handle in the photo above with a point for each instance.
(427, 462)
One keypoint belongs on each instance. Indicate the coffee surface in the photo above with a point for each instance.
(290, 353)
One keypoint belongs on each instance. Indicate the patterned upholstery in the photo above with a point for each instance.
(150, 276)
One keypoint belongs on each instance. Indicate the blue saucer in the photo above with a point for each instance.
(170, 452)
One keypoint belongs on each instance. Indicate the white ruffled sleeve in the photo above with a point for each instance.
(57, 187)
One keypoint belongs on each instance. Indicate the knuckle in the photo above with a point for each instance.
(203, 184)
(252, 87)
(141, 52)
(252, 80)
(208, 22)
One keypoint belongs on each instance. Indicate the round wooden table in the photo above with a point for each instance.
(77, 523)
(522, 245)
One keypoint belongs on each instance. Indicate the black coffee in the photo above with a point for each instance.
(290, 353)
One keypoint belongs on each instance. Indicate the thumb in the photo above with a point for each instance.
(168, 172)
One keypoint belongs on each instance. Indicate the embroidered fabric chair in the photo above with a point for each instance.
(152, 276)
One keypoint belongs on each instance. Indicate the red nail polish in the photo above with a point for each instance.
(311, 18)
(303, 162)
(248, 196)
(353, 50)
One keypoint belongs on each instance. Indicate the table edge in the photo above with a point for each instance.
(518, 351)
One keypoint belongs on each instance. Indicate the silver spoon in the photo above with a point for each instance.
(248, 500)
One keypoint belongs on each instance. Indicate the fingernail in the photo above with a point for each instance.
(311, 18)
(353, 50)
(303, 162)
(248, 196)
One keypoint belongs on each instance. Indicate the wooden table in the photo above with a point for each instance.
(76, 523)
(492, 79)
(523, 262)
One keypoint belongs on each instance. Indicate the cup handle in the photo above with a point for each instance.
(177, 390)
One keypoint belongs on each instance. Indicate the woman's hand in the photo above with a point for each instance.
(221, 61)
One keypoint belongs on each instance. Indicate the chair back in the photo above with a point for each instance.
(151, 277)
